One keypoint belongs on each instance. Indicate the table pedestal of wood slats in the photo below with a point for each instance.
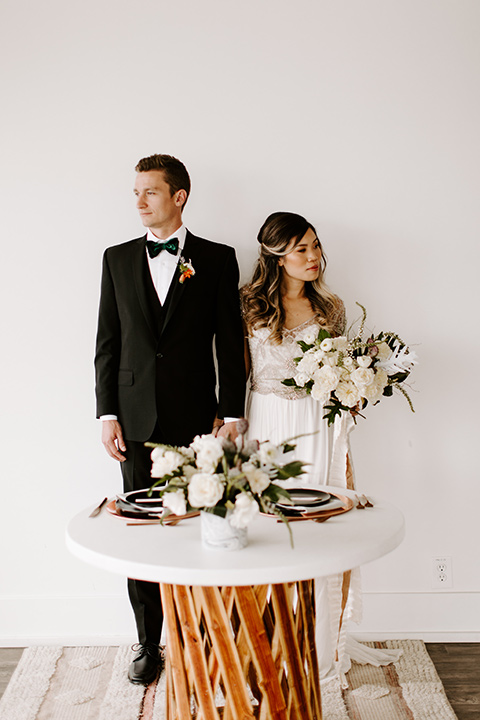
(241, 652)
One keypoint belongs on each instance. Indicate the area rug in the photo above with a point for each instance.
(90, 683)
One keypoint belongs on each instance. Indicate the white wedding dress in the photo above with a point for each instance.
(277, 413)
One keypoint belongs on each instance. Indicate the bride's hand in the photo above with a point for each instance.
(228, 430)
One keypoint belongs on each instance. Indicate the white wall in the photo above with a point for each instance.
(362, 115)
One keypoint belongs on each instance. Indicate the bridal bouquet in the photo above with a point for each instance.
(217, 475)
(350, 372)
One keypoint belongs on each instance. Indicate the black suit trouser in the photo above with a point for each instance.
(144, 596)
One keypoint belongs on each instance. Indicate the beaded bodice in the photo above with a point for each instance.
(271, 363)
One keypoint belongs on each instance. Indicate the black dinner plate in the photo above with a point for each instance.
(304, 500)
(130, 504)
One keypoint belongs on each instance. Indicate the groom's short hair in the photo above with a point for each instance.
(174, 171)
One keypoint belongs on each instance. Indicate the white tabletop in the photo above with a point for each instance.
(175, 554)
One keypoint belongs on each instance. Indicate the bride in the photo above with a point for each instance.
(287, 301)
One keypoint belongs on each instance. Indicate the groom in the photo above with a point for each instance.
(165, 298)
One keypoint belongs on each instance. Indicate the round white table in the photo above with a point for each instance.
(239, 621)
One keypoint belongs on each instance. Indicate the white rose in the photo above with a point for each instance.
(245, 510)
(347, 393)
(319, 393)
(189, 471)
(326, 345)
(331, 359)
(157, 453)
(209, 450)
(187, 452)
(258, 480)
(381, 378)
(364, 361)
(372, 392)
(340, 343)
(167, 464)
(175, 501)
(348, 361)
(326, 377)
(204, 490)
(301, 378)
(308, 364)
(309, 336)
(268, 453)
(362, 377)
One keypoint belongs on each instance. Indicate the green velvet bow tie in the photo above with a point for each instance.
(155, 248)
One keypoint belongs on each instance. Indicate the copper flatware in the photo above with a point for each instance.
(98, 509)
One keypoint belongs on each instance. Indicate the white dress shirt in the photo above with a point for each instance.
(162, 267)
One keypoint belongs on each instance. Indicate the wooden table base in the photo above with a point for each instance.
(241, 652)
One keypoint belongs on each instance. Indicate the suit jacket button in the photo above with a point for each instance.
(159, 355)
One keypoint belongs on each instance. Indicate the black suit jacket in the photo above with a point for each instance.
(155, 365)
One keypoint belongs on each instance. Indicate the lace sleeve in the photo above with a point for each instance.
(338, 318)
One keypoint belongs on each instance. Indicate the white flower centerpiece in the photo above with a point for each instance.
(229, 482)
(351, 372)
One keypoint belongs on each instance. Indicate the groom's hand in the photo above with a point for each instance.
(112, 439)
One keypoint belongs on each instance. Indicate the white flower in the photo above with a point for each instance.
(384, 351)
(268, 453)
(362, 377)
(257, 479)
(308, 364)
(381, 378)
(348, 361)
(326, 345)
(364, 361)
(301, 378)
(189, 471)
(331, 359)
(157, 453)
(187, 452)
(319, 393)
(245, 510)
(373, 393)
(204, 490)
(326, 377)
(209, 450)
(318, 355)
(175, 501)
(166, 464)
(340, 343)
(309, 336)
(347, 393)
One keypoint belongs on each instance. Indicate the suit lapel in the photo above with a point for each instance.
(147, 297)
(176, 288)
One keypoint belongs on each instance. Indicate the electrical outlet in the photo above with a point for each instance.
(442, 572)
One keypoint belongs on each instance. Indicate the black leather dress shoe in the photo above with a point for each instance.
(148, 661)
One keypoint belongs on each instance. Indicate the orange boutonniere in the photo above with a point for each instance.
(186, 270)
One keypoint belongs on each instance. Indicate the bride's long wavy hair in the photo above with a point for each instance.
(262, 299)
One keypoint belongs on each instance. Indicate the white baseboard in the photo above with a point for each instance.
(432, 616)
(428, 637)
(108, 620)
(74, 621)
